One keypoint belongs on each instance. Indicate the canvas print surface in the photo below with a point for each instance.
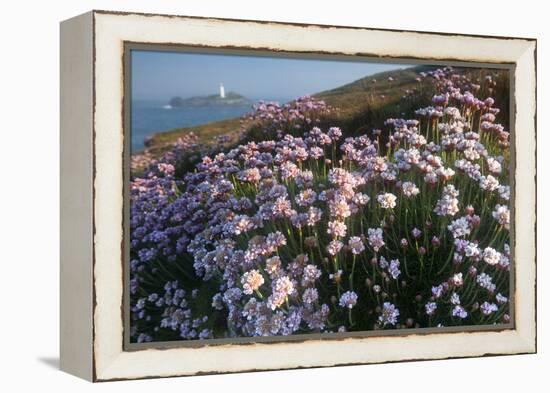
(280, 196)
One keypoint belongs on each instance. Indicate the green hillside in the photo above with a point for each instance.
(361, 106)
(354, 101)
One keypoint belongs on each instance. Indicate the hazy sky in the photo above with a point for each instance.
(162, 75)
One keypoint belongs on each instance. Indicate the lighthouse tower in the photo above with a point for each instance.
(222, 91)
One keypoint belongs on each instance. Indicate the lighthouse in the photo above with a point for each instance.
(222, 91)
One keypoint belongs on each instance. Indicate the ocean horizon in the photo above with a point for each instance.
(149, 117)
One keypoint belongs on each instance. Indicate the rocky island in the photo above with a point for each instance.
(231, 98)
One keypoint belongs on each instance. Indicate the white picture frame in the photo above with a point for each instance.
(92, 184)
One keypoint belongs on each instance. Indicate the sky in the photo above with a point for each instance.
(163, 75)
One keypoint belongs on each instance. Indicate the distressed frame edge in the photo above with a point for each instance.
(527, 339)
(303, 24)
(76, 196)
(526, 318)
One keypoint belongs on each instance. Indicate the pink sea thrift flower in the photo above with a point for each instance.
(251, 281)
(348, 299)
(375, 238)
(387, 200)
(356, 245)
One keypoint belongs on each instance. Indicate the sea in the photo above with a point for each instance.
(149, 117)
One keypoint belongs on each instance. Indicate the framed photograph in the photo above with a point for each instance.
(249, 195)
